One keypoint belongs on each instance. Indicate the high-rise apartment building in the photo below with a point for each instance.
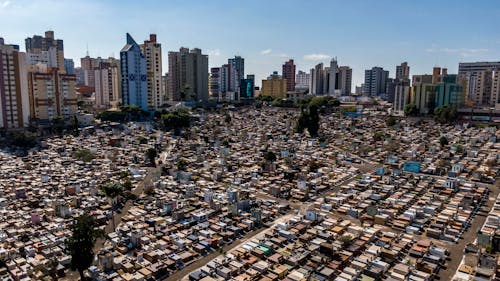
(403, 71)
(188, 75)
(236, 72)
(289, 75)
(14, 99)
(88, 65)
(134, 75)
(107, 83)
(302, 80)
(274, 86)
(214, 82)
(333, 77)
(51, 94)
(317, 80)
(344, 80)
(479, 80)
(151, 50)
(401, 98)
(45, 50)
(375, 81)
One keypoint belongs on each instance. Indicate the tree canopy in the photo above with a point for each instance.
(23, 139)
(176, 120)
(445, 114)
(411, 110)
(81, 243)
(443, 141)
(84, 155)
(308, 119)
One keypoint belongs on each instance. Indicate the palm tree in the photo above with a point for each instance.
(112, 192)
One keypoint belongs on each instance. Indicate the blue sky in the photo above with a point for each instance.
(360, 34)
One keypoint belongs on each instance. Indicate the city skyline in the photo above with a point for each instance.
(225, 29)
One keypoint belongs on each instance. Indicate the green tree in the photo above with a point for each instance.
(182, 164)
(309, 119)
(265, 98)
(58, 125)
(23, 139)
(443, 141)
(112, 116)
(269, 156)
(84, 155)
(411, 110)
(390, 121)
(151, 154)
(112, 192)
(314, 166)
(176, 120)
(81, 243)
(445, 114)
(127, 184)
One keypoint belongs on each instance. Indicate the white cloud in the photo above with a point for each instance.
(4, 4)
(266, 52)
(463, 52)
(316, 57)
(214, 53)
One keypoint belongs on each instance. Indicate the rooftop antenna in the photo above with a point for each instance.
(87, 49)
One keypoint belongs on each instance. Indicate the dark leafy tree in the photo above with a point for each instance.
(182, 164)
(58, 125)
(81, 243)
(176, 120)
(23, 139)
(390, 121)
(151, 154)
(314, 166)
(112, 191)
(445, 114)
(443, 141)
(410, 110)
(84, 155)
(269, 156)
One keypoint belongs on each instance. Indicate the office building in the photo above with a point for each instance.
(151, 50)
(403, 71)
(274, 86)
(133, 75)
(51, 94)
(188, 75)
(247, 87)
(302, 80)
(14, 99)
(289, 75)
(375, 81)
(424, 97)
(425, 78)
(45, 50)
(69, 66)
(344, 80)
(448, 92)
